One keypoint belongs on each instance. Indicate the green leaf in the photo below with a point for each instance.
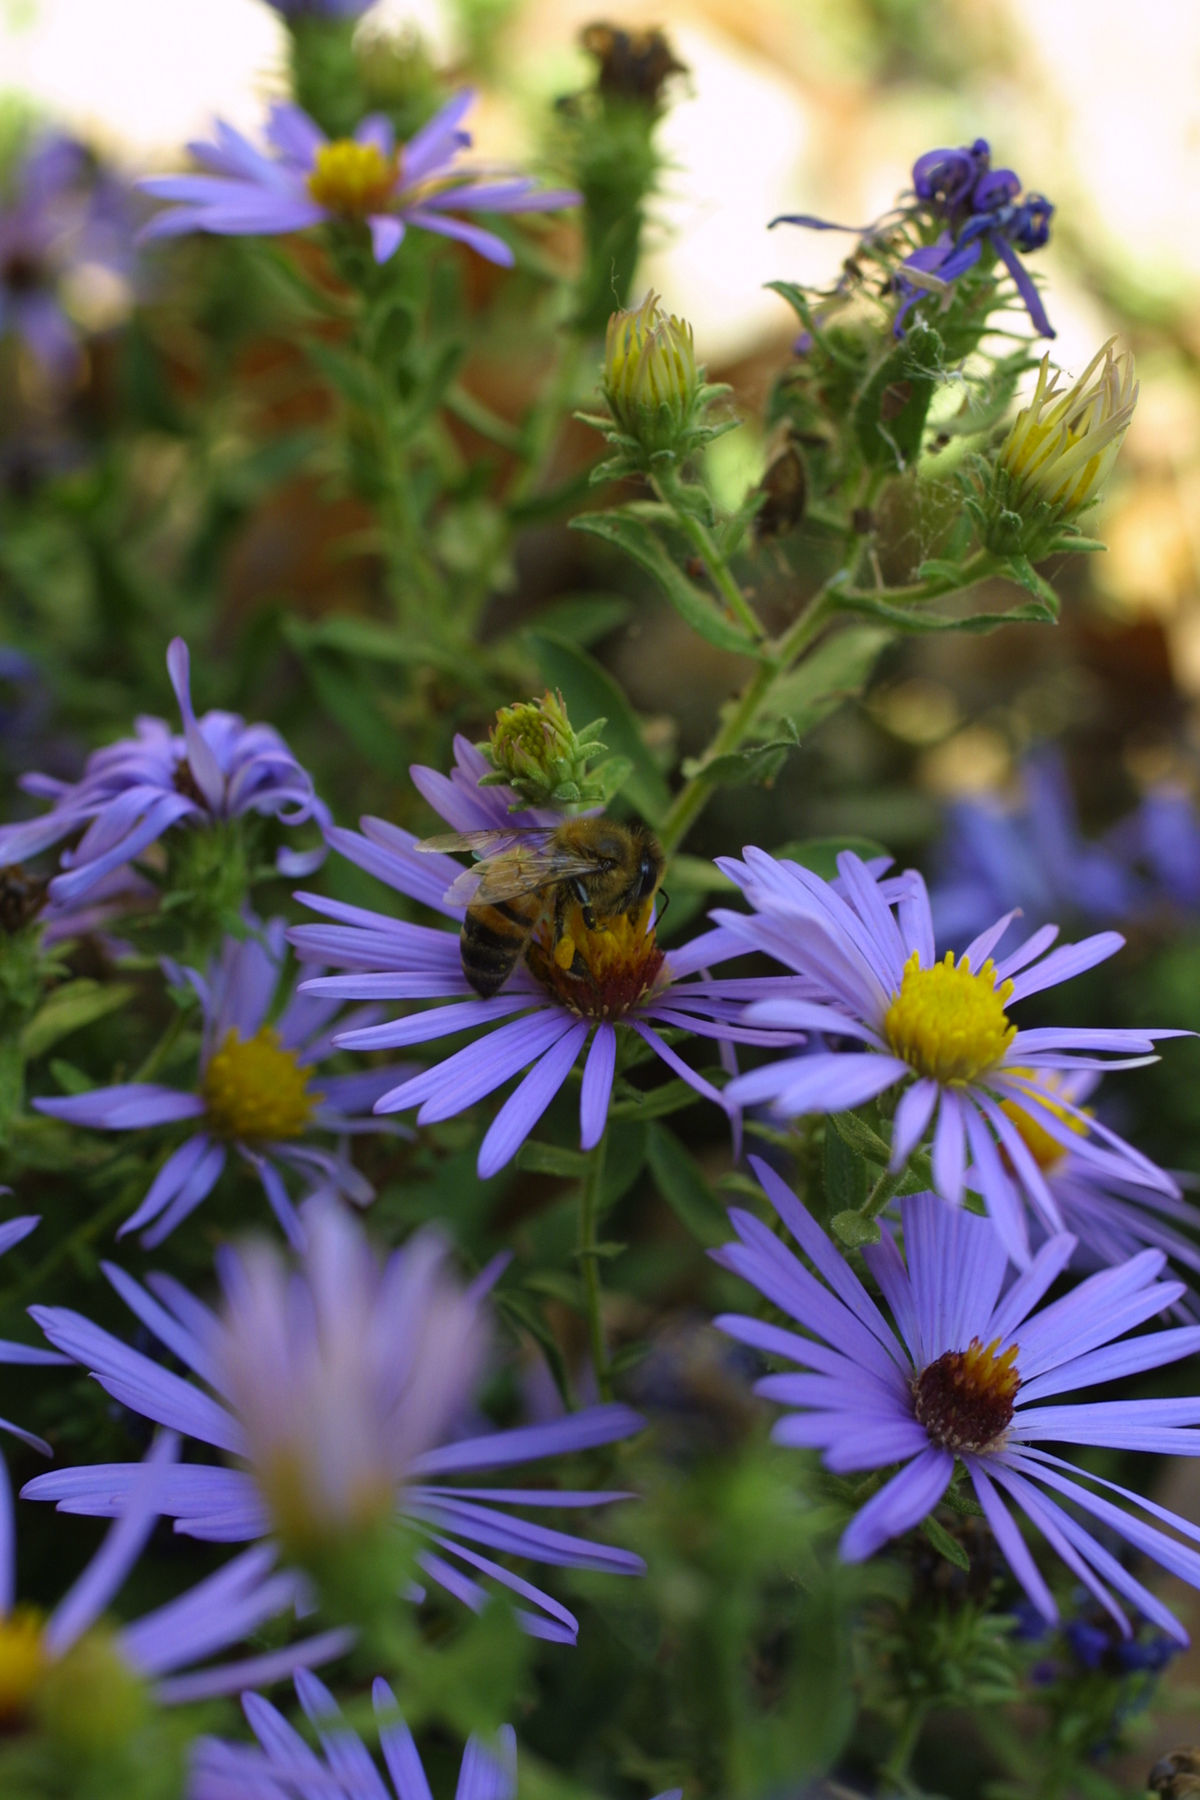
(370, 639)
(698, 610)
(858, 1135)
(624, 1160)
(945, 1545)
(757, 764)
(591, 693)
(584, 619)
(1022, 571)
(73, 1004)
(348, 701)
(684, 1188)
(836, 670)
(847, 1176)
(552, 1159)
(854, 1230)
(889, 415)
(909, 620)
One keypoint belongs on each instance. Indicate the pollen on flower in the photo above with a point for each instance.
(965, 1399)
(353, 179)
(255, 1090)
(23, 1661)
(600, 974)
(1047, 1151)
(948, 1022)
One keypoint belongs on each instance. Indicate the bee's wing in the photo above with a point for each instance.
(519, 871)
(484, 843)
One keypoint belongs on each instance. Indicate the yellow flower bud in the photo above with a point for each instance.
(1063, 444)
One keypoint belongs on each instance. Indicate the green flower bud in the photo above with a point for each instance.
(651, 381)
(534, 749)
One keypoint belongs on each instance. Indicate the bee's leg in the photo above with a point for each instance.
(579, 889)
(564, 943)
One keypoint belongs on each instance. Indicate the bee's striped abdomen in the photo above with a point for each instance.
(494, 935)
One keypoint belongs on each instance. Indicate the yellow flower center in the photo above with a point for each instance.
(965, 1399)
(23, 1662)
(1046, 1150)
(256, 1090)
(601, 974)
(947, 1022)
(353, 179)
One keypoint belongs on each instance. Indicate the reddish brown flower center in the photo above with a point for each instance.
(600, 974)
(965, 1399)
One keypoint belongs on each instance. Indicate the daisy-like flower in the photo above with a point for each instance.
(1111, 1215)
(148, 1657)
(368, 178)
(546, 1013)
(961, 1373)
(257, 1091)
(133, 791)
(941, 1027)
(284, 1767)
(337, 1389)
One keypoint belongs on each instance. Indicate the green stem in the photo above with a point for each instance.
(777, 659)
(589, 1202)
(887, 1186)
(158, 1054)
(705, 546)
(907, 1738)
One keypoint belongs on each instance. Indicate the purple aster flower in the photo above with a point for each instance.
(940, 1027)
(971, 207)
(336, 1389)
(254, 1093)
(64, 223)
(1031, 859)
(960, 1373)
(12, 1232)
(369, 178)
(544, 1015)
(209, 1618)
(1111, 1215)
(1161, 838)
(284, 1767)
(133, 791)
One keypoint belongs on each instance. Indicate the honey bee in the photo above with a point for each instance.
(529, 876)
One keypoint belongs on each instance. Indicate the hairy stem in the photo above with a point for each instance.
(589, 1205)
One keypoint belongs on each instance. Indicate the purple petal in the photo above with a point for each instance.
(596, 1089)
(525, 1106)
(902, 1502)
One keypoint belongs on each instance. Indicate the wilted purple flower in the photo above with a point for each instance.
(629, 983)
(941, 1027)
(63, 222)
(135, 790)
(254, 1093)
(369, 178)
(960, 1372)
(1032, 859)
(284, 1767)
(320, 9)
(337, 1389)
(219, 1611)
(977, 208)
